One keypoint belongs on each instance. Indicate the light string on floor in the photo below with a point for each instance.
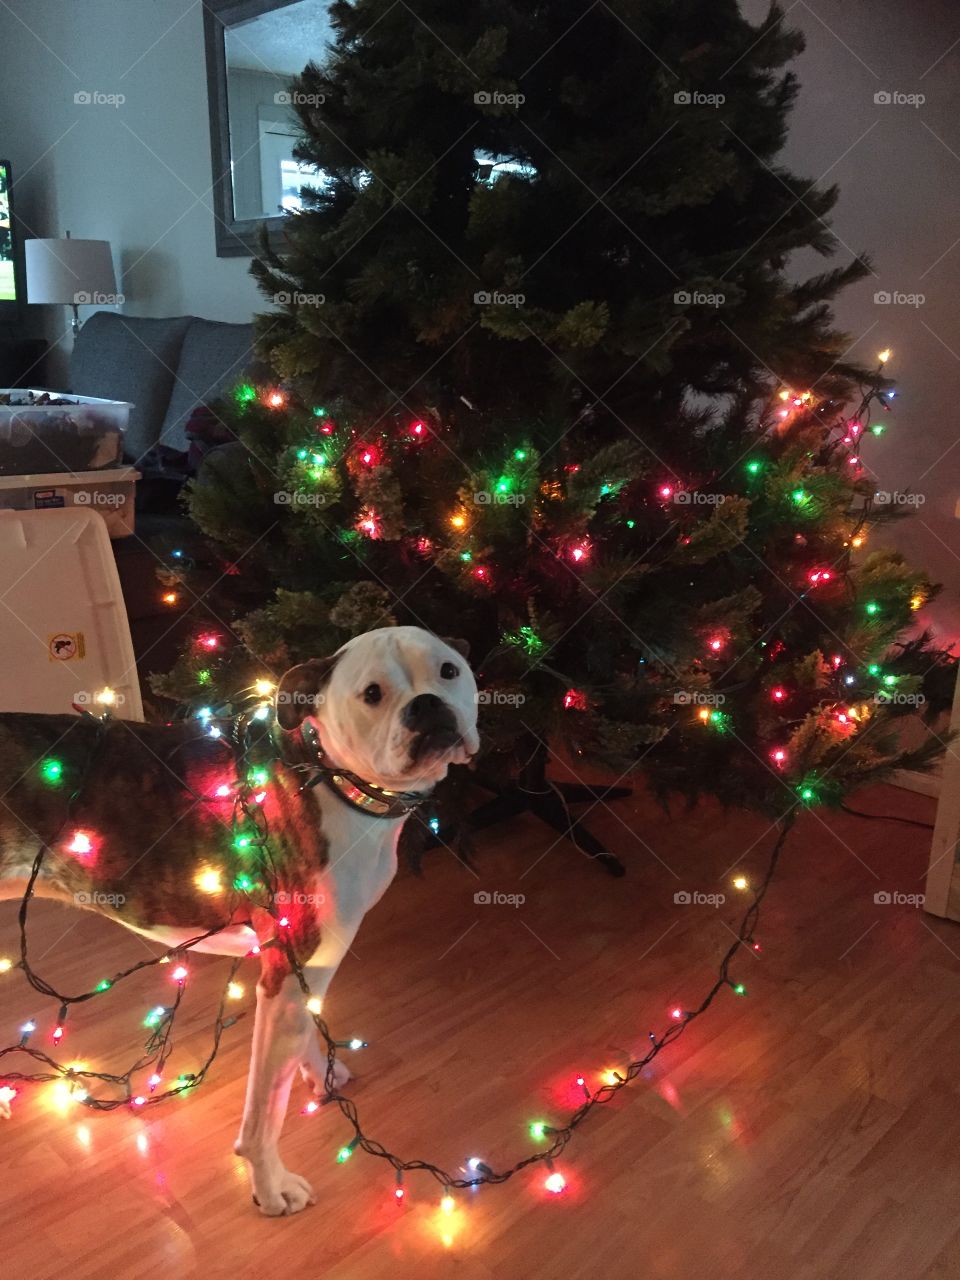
(246, 734)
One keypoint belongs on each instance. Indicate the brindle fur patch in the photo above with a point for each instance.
(152, 838)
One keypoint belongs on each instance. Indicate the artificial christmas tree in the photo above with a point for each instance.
(539, 377)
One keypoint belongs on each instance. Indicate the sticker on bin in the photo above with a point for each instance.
(66, 645)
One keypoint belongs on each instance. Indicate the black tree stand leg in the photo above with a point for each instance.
(550, 801)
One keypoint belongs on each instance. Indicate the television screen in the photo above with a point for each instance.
(8, 283)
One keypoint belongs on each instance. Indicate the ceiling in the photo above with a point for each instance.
(283, 41)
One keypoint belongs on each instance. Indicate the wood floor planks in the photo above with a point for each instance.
(809, 1131)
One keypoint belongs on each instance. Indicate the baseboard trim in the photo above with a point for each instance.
(924, 784)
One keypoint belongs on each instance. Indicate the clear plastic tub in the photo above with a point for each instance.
(112, 493)
(53, 431)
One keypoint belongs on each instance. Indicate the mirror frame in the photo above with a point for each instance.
(235, 237)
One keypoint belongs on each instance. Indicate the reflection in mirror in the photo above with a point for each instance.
(262, 56)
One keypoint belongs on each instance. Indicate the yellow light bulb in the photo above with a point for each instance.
(704, 714)
(5, 964)
(314, 1005)
(916, 602)
(784, 395)
(858, 541)
(234, 990)
(458, 521)
(448, 1204)
(609, 1077)
(106, 697)
(884, 355)
(740, 882)
(264, 687)
(209, 881)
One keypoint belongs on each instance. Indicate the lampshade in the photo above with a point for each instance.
(68, 271)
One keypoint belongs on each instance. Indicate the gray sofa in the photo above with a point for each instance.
(165, 368)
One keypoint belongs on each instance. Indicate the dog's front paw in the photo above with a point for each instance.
(277, 1191)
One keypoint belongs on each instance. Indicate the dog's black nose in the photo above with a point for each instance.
(426, 711)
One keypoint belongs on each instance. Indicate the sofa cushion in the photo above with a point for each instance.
(130, 358)
(214, 357)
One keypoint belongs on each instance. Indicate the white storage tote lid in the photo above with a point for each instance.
(64, 634)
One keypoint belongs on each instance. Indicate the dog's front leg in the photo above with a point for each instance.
(280, 1036)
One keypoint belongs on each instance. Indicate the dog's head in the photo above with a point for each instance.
(396, 706)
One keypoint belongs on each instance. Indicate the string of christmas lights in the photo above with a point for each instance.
(251, 837)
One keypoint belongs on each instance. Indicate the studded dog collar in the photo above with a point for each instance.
(365, 797)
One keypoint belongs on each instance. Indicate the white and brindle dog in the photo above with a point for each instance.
(385, 716)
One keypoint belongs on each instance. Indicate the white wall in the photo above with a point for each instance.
(138, 174)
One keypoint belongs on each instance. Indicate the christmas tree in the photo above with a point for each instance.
(539, 376)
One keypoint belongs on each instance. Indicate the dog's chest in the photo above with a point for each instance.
(362, 858)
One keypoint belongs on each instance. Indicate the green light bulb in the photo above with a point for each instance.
(466, 555)
(243, 883)
(538, 1129)
(873, 669)
(740, 989)
(872, 607)
(204, 676)
(246, 393)
(301, 454)
(520, 454)
(631, 524)
(753, 467)
(51, 771)
(344, 1154)
(103, 985)
(799, 496)
(877, 429)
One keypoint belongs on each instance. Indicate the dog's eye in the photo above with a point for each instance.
(372, 694)
(449, 671)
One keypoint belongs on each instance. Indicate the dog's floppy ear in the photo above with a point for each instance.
(461, 646)
(298, 693)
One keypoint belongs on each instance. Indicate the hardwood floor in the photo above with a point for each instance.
(808, 1131)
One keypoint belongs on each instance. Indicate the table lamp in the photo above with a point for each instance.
(70, 272)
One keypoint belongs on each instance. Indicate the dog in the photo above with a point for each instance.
(149, 842)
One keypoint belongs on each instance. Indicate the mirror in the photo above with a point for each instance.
(254, 49)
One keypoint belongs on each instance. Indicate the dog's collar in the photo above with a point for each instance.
(365, 797)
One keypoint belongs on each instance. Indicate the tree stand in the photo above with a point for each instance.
(533, 792)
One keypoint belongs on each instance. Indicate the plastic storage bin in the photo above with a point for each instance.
(111, 493)
(43, 431)
(64, 633)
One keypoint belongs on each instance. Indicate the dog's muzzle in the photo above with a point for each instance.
(433, 725)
